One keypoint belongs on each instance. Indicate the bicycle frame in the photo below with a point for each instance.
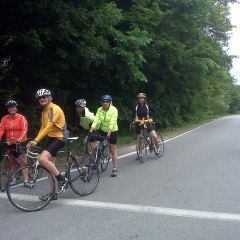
(97, 154)
(69, 162)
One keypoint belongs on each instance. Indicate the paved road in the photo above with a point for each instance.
(192, 192)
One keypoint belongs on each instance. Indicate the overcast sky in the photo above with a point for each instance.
(234, 43)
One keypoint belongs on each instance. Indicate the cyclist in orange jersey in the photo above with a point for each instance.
(15, 128)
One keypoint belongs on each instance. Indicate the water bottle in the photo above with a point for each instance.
(85, 141)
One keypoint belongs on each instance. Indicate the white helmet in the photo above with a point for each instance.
(43, 92)
(81, 103)
(11, 102)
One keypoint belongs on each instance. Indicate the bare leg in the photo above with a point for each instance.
(114, 154)
(155, 138)
(46, 160)
(23, 161)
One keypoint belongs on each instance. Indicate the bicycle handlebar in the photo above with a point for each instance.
(98, 136)
(33, 153)
(143, 121)
(8, 144)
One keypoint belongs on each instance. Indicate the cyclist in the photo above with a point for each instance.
(86, 118)
(106, 121)
(141, 110)
(15, 128)
(53, 125)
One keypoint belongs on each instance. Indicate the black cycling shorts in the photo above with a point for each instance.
(13, 147)
(113, 136)
(53, 145)
(149, 128)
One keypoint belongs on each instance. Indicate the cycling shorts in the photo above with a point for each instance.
(149, 128)
(53, 145)
(113, 136)
(13, 148)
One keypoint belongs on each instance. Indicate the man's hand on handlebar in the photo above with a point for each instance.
(31, 144)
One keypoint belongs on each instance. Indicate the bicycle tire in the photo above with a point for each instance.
(27, 199)
(161, 144)
(141, 148)
(83, 180)
(105, 157)
(4, 173)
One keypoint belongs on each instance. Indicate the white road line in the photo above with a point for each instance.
(152, 210)
(174, 212)
(149, 209)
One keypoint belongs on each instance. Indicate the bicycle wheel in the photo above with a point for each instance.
(27, 198)
(161, 144)
(105, 157)
(141, 147)
(5, 167)
(83, 180)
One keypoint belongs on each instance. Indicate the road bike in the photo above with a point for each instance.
(101, 152)
(82, 180)
(145, 142)
(11, 149)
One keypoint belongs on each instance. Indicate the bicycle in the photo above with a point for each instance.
(83, 181)
(145, 142)
(101, 153)
(83, 151)
(11, 148)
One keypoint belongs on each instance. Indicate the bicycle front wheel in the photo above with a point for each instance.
(141, 148)
(5, 167)
(83, 180)
(105, 157)
(27, 198)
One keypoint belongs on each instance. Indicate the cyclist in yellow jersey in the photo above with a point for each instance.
(53, 125)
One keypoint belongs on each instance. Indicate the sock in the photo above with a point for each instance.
(60, 177)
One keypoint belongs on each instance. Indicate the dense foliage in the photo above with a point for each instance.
(173, 50)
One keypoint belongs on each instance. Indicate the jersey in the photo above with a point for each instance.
(15, 128)
(86, 119)
(53, 123)
(140, 112)
(106, 120)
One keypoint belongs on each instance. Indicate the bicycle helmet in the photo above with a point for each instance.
(81, 103)
(11, 102)
(141, 95)
(43, 92)
(106, 97)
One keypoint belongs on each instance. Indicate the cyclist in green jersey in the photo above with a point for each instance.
(86, 118)
(106, 118)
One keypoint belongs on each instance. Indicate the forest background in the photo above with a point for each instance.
(175, 51)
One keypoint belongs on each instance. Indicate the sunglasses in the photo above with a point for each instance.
(42, 97)
(105, 101)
